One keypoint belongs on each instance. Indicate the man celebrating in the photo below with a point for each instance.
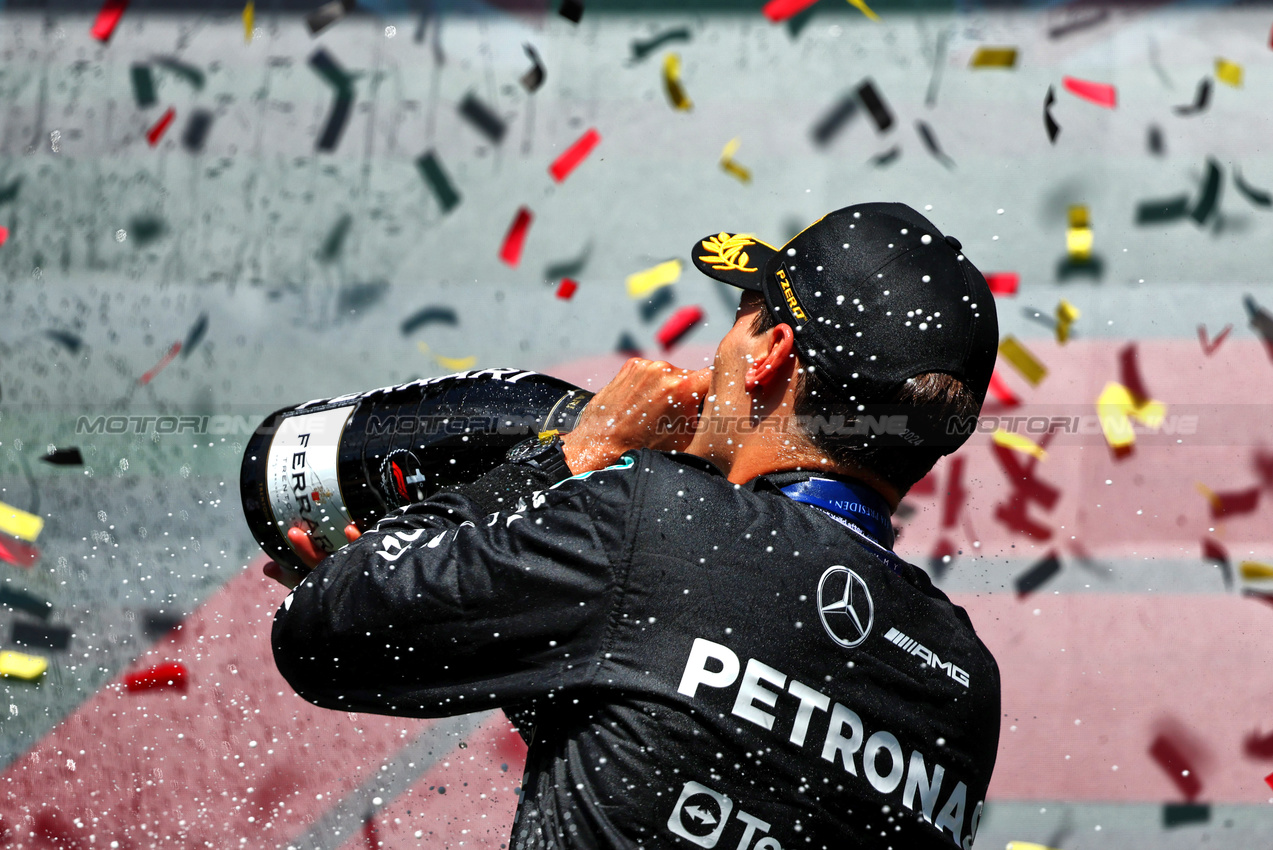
(720, 647)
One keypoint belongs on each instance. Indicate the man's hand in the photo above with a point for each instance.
(310, 554)
(649, 404)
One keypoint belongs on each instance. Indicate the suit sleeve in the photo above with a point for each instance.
(450, 606)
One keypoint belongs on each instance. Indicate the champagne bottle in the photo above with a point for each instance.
(325, 463)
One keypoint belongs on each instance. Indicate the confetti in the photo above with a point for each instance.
(20, 524)
(428, 316)
(69, 341)
(1061, 30)
(170, 675)
(184, 71)
(107, 19)
(567, 289)
(164, 361)
(1259, 197)
(1049, 123)
(731, 167)
(326, 66)
(930, 142)
(511, 250)
(956, 494)
(329, 139)
(678, 325)
(482, 118)
(1269, 780)
(875, 105)
(994, 57)
(1233, 502)
(4, 234)
(939, 62)
(17, 553)
(1037, 576)
(1257, 745)
(327, 14)
(195, 335)
(534, 78)
(249, 21)
(1003, 283)
(655, 304)
(1154, 141)
(627, 345)
(143, 86)
(571, 10)
(780, 10)
(197, 128)
(438, 180)
(1209, 346)
(455, 364)
(574, 155)
(887, 157)
(1018, 443)
(1261, 322)
(1161, 210)
(829, 126)
(1210, 195)
(1229, 73)
(1102, 94)
(1179, 767)
(17, 665)
(1002, 392)
(28, 603)
(642, 49)
(64, 457)
(1183, 814)
(1116, 406)
(643, 283)
(1214, 552)
(1022, 360)
(37, 635)
(1255, 571)
(158, 624)
(1078, 237)
(155, 133)
(861, 6)
(1200, 100)
(672, 83)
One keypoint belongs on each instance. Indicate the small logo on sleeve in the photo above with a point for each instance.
(926, 655)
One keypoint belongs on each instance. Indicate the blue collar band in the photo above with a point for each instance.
(855, 503)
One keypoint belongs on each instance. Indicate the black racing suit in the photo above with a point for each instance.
(679, 636)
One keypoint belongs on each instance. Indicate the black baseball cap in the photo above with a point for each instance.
(875, 295)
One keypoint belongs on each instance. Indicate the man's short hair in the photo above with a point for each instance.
(900, 466)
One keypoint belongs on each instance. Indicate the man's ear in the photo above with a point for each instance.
(773, 359)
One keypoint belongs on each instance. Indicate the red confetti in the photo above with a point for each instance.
(1026, 490)
(926, 486)
(1102, 94)
(1129, 372)
(17, 552)
(575, 154)
(4, 234)
(1209, 346)
(107, 19)
(1002, 392)
(956, 495)
(1178, 766)
(1003, 283)
(1235, 502)
(155, 133)
(566, 289)
(678, 325)
(171, 675)
(172, 352)
(511, 251)
(1258, 746)
(780, 10)
(1269, 780)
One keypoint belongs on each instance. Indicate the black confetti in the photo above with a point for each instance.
(1210, 196)
(183, 70)
(939, 62)
(1183, 814)
(1162, 210)
(9, 193)
(329, 69)
(571, 10)
(29, 603)
(1069, 27)
(439, 181)
(328, 14)
(642, 49)
(1154, 141)
(72, 342)
(336, 121)
(64, 457)
(1261, 321)
(334, 244)
(875, 105)
(429, 316)
(195, 335)
(534, 78)
(887, 157)
(482, 118)
(830, 125)
(1049, 123)
(930, 142)
(45, 637)
(143, 86)
(1200, 100)
(627, 345)
(1038, 575)
(156, 624)
(197, 128)
(659, 300)
(1259, 197)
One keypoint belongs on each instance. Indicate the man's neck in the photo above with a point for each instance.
(753, 461)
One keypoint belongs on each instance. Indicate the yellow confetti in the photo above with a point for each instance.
(1078, 239)
(1229, 72)
(1024, 362)
(19, 523)
(1116, 408)
(20, 666)
(1066, 315)
(1252, 570)
(1026, 845)
(1216, 504)
(643, 283)
(727, 161)
(994, 57)
(861, 6)
(455, 364)
(249, 21)
(423, 346)
(672, 82)
(1019, 443)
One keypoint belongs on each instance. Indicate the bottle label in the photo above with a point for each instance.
(301, 476)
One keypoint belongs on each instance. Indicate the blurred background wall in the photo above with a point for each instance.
(213, 217)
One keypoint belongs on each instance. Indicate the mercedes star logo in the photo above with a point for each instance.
(845, 606)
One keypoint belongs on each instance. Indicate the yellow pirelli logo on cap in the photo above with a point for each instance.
(790, 296)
